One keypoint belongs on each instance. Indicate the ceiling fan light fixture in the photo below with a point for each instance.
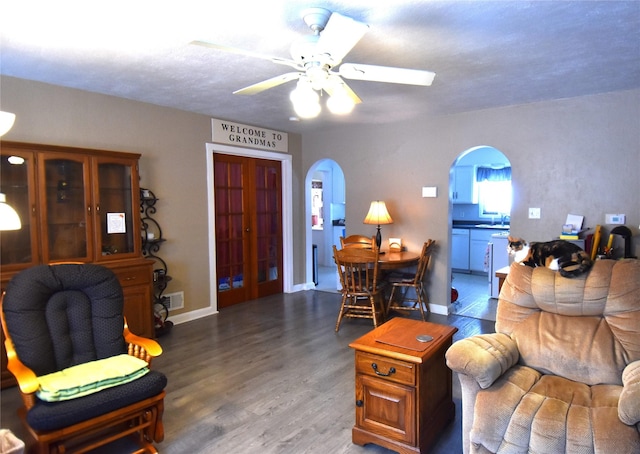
(305, 100)
(317, 76)
(340, 103)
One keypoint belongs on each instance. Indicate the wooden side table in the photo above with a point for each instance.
(402, 386)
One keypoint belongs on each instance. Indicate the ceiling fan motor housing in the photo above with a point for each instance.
(305, 50)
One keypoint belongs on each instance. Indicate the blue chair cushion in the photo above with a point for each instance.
(63, 315)
(47, 416)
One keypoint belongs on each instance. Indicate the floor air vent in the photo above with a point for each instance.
(175, 300)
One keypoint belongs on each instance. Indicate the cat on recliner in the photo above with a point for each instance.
(559, 255)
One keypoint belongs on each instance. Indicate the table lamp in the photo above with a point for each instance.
(378, 215)
(9, 219)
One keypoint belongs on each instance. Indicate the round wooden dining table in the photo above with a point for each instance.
(400, 259)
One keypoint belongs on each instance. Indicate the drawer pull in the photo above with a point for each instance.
(374, 366)
(359, 403)
(130, 278)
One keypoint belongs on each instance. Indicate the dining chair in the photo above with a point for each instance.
(358, 241)
(361, 290)
(407, 281)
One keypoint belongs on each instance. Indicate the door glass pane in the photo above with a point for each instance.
(116, 211)
(236, 226)
(15, 245)
(222, 200)
(221, 176)
(235, 175)
(229, 225)
(273, 258)
(66, 209)
(235, 201)
(223, 268)
(267, 213)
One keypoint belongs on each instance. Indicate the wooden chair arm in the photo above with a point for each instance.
(27, 379)
(141, 347)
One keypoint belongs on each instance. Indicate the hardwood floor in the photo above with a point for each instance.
(267, 376)
(473, 297)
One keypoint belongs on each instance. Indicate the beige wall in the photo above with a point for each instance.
(173, 164)
(579, 156)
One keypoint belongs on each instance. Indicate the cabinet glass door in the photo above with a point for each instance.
(118, 230)
(67, 208)
(18, 248)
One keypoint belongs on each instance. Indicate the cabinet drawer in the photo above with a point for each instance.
(386, 368)
(135, 275)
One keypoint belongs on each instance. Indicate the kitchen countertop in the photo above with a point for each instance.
(479, 225)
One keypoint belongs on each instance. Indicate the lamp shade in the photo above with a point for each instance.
(6, 121)
(9, 219)
(378, 214)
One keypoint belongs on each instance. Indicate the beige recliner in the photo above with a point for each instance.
(562, 371)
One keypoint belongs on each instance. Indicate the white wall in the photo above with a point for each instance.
(579, 155)
(173, 165)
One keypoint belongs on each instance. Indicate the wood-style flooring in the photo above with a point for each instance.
(267, 376)
(473, 297)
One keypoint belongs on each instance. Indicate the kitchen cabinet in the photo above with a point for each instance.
(460, 249)
(463, 185)
(478, 240)
(77, 205)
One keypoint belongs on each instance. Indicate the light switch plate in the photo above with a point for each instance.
(615, 218)
(534, 213)
(430, 191)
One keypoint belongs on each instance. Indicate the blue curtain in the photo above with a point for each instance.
(491, 174)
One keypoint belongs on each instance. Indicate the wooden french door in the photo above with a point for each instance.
(248, 216)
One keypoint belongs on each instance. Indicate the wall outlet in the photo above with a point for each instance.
(534, 213)
(614, 218)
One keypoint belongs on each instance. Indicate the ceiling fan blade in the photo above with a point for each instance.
(266, 84)
(336, 81)
(386, 74)
(248, 53)
(339, 36)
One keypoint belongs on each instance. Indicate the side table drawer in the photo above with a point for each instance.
(386, 368)
(135, 275)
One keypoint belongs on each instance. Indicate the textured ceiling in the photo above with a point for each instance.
(485, 53)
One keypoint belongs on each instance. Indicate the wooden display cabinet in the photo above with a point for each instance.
(76, 205)
(403, 389)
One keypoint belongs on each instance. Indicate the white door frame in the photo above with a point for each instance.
(287, 215)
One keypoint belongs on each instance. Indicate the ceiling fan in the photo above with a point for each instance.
(315, 59)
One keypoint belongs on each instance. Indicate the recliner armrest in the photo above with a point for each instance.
(629, 403)
(484, 357)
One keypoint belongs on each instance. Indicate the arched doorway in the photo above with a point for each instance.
(325, 215)
(480, 207)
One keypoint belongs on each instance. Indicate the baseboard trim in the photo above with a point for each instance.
(192, 315)
(199, 313)
(439, 309)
